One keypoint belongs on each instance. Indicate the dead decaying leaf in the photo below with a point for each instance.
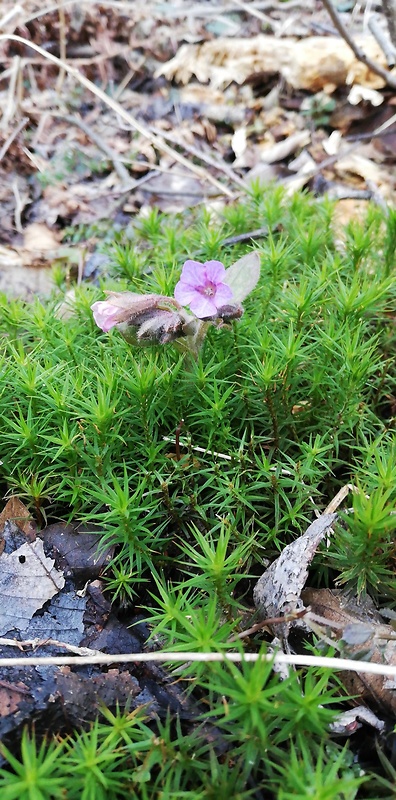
(314, 63)
(358, 628)
(76, 550)
(28, 579)
(11, 695)
(52, 696)
(349, 721)
(63, 620)
(37, 236)
(362, 633)
(81, 696)
(16, 280)
(284, 148)
(16, 511)
(278, 591)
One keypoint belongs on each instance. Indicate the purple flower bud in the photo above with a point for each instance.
(127, 307)
(105, 314)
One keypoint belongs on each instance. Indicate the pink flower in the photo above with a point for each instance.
(202, 288)
(105, 314)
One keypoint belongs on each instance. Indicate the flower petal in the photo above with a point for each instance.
(105, 314)
(203, 306)
(243, 275)
(223, 295)
(193, 273)
(214, 271)
(184, 293)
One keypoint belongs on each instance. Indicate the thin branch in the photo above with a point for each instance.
(268, 623)
(385, 44)
(389, 7)
(248, 9)
(200, 10)
(156, 140)
(367, 667)
(79, 651)
(6, 19)
(62, 47)
(11, 93)
(258, 233)
(358, 52)
(19, 206)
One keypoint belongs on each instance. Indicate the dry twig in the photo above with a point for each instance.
(366, 667)
(389, 7)
(385, 44)
(13, 136)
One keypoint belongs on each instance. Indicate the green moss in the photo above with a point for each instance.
(282, 409)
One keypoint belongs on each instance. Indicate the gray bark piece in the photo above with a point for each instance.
(278, 591)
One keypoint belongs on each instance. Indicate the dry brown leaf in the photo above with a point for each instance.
(82, 695)
(357, 164)
(285, 148)
(11, 696)
(20, 276)
(16, 511)
(348, 618)
(316, 63)
(40, 238)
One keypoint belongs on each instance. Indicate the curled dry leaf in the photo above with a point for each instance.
(278, 591)
(18, 281)
(350, 721)
(16, 511)
(283, 149)
(39, 237)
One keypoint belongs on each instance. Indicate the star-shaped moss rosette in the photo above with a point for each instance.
(212, 293)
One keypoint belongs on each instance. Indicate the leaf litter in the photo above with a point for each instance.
(28, 580)
(56, 604)
(201, 86)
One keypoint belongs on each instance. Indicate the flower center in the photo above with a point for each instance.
(209, 290)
